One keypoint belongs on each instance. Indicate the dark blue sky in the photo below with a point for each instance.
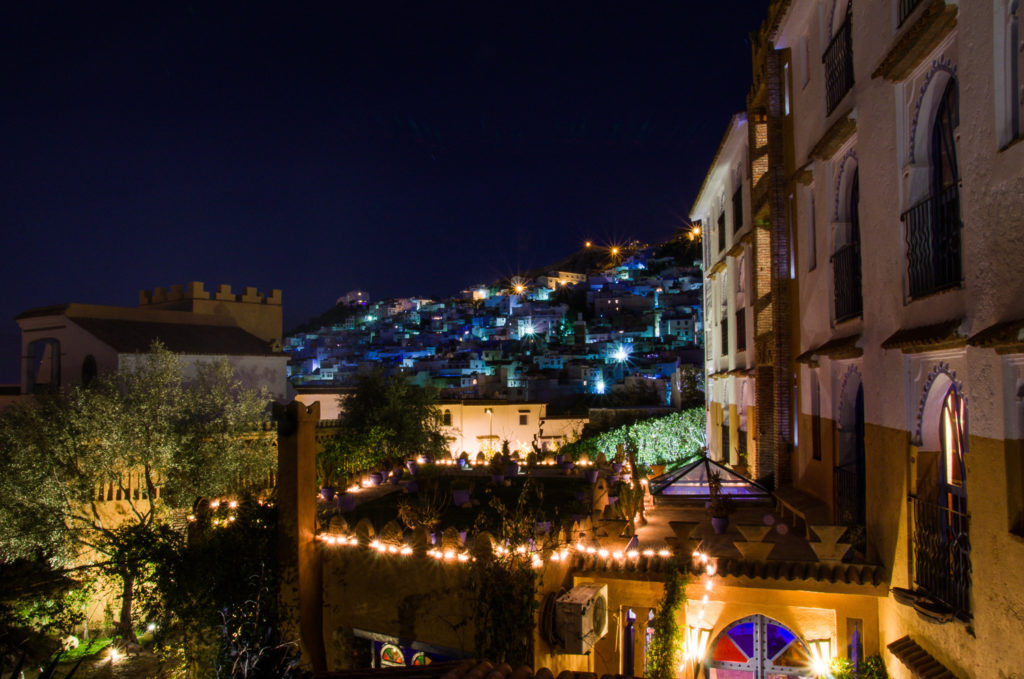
(402, 148)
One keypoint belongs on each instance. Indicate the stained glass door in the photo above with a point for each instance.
(759, 648)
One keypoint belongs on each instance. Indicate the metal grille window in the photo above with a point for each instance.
(724, 329)
(942, 547)
(721, 231)
(838, 60)
(933, 225)
(907, 8)
(846, 274)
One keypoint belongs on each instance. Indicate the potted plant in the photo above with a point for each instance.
(720, 505)
(327, 471)
(497, 469)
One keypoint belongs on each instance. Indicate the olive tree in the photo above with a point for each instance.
(94, 475)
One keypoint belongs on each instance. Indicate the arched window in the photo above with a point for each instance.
(933, 225)
(446, 418)
(757, 646)
(942, 565)
(846, 273)
(43, 369)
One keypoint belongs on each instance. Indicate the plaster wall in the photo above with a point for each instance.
(75, 345)
(473, 430)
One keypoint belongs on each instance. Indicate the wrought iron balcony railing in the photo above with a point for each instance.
(847, 282)
(838, 60)
(849, 496)
(942, 555)
(907, 7)
(933, 243)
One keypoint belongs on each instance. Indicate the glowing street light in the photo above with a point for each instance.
(621, 354)
(615, 251)
(588, 244)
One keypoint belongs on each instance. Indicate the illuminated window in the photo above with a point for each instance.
(942, 563)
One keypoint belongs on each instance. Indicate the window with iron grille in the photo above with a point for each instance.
(838, 61)
(933, 225)
(724, 329)
(907, 8)
(721, 231)
(846, 273)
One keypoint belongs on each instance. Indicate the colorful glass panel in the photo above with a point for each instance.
(743, 636)
(793, 656)
(420, 658)
(776, 639)
(726, 651)
(391, 656)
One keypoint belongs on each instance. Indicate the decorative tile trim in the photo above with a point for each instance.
(850, 155)
(941, 64)
(852, 371)
(940, 368)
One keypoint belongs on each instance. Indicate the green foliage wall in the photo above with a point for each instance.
(673, 439)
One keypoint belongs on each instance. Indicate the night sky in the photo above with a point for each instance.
(401, 148)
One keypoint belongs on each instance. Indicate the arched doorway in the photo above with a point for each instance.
(851, 466)
(757, 647)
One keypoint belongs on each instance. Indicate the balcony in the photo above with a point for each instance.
(907, 8)
(847, 282)
(838, 60)
(933, 243)
(942, 555)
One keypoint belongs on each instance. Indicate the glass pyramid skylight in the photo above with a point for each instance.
(691, 483)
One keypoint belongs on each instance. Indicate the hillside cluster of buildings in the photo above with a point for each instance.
(623, 329)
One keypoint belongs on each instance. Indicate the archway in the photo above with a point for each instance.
(942, 564)
(757, 647)
(851, 467)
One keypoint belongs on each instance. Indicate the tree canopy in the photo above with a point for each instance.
(387, 419)
(154, 437)
(673, 439)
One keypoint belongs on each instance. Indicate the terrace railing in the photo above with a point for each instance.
(838, 60)
(942, 554)
(933, 243)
